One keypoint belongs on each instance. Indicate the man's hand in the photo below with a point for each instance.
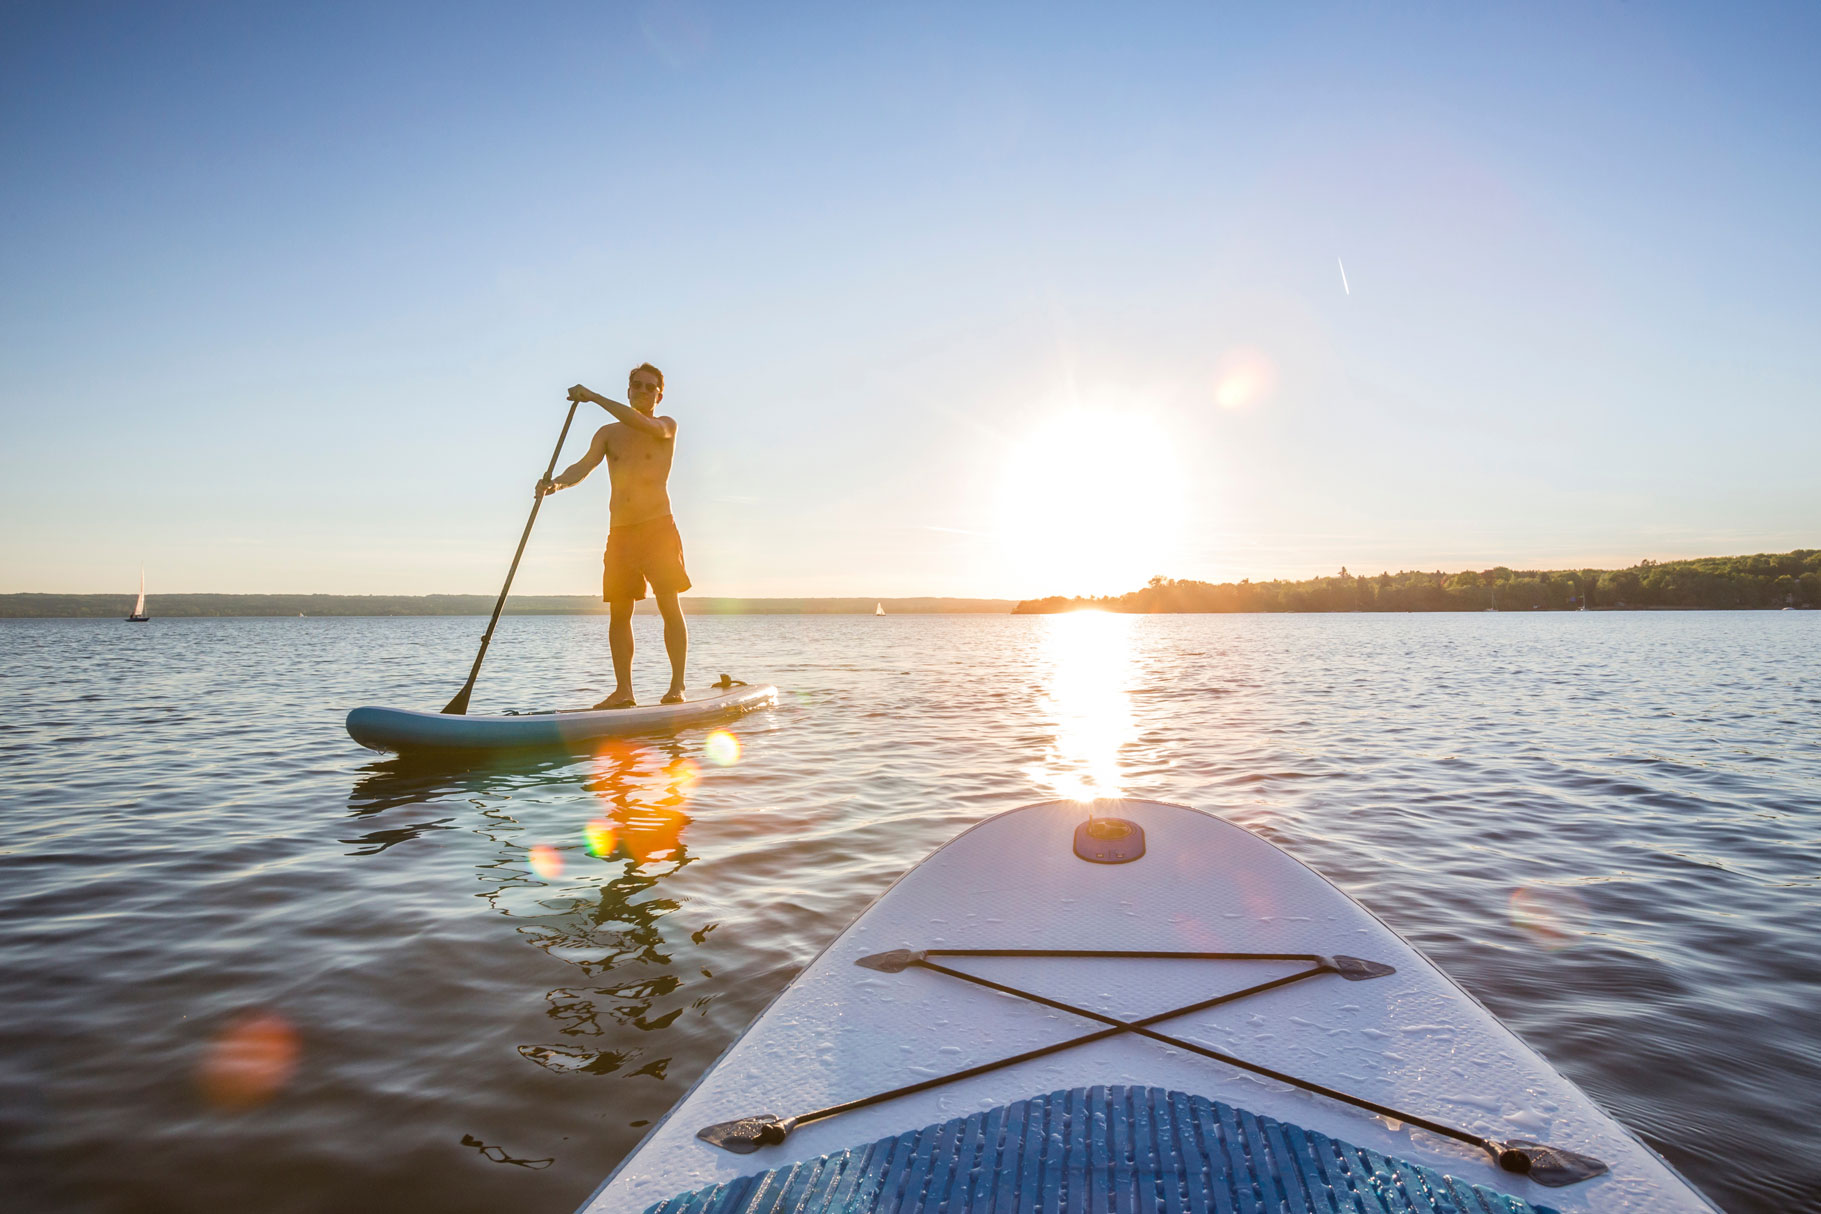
(547, 486)
(580, 393)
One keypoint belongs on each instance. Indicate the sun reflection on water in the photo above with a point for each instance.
(1087, 700)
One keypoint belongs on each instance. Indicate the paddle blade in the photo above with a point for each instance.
(459, 705)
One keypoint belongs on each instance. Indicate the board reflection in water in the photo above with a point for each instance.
(607, 917)
(579, 851)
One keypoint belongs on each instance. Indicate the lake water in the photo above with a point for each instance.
(247, 965)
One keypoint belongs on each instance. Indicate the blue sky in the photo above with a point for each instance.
(1030, 300)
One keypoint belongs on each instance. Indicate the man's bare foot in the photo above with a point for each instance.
(619, 699)
(673, 696)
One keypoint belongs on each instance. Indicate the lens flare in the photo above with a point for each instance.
(546, 861)
(600, 838)
(249, 1061)
(723, 748)
(1552, 917)
(1243, 378)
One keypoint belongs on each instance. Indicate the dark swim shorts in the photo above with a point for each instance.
(649, 551)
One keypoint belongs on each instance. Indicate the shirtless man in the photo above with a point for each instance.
(642, 543)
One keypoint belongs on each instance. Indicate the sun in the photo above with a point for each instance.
(1091, 502)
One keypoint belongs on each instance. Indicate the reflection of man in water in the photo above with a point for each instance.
(642, 543)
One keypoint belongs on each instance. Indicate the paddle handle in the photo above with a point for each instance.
(459, 705)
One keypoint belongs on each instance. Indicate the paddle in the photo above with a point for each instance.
(459, 705)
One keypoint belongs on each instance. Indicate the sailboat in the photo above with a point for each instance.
(139, 616)
(878, 608)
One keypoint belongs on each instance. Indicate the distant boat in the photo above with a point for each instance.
(878, 608)
(139, 616)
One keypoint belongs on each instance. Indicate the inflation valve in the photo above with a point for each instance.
(1109, 840)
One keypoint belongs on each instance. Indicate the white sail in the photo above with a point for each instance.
(139, 607)
(878, 608)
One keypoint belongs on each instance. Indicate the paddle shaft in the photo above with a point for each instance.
(459, 705)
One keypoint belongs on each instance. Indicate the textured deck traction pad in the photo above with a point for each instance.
(1103, 1149)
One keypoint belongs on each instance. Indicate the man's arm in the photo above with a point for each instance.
(578, 471)
(657, 427)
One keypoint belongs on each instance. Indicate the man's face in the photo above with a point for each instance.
(643, 392)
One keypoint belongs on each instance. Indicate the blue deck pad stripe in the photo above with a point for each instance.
(988, 1167)
(1103, 1150)
(847, 1185)
(1191, 1193)
(1248, 1195)
(970, 1146)
(1066, 1173)
(944, 1153)
(1030, 1157)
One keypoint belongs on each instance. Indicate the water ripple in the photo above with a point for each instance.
(480, 986)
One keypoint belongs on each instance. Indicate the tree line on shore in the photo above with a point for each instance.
(1762, 581)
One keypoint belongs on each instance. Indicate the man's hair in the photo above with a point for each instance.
(650, 368)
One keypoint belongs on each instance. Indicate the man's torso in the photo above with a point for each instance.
(638, 464)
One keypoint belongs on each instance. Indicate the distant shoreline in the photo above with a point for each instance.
(189, 606)
(1763, 582)
(1760, 582)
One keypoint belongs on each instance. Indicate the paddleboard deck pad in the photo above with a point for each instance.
(405, 731)
(1172, 1015)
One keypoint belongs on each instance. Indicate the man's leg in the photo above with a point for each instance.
(676, 641)
(619, 639)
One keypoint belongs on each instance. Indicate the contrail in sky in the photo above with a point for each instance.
(1343, 276)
